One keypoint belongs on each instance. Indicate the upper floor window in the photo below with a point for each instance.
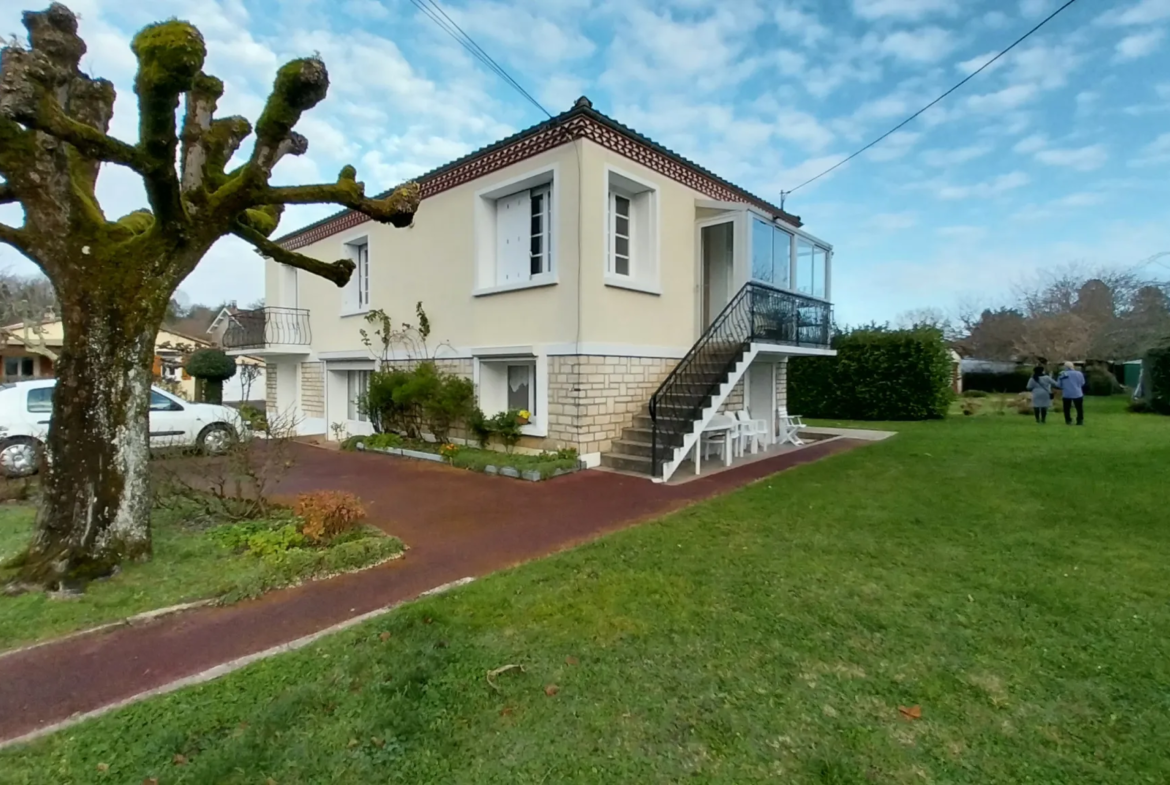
(523, 235)
(631, 233)
(355, 297)
(516, 233)
(787, 260)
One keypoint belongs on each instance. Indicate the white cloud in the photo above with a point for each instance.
(799, 23)
(804, 129)
(366, 9)
(1082, 159)
(924, 45)
(1156, 152)
(996, 19)
(1143, 12)
(1163, 90)
(1048, 66)
(954, 156)
(893, 221)
(901, 9)
(1086, 101)
(1010, 97)
(523, 34)
(894, 146)
(1034, 8)
(961, 232)
(1079, 199)
(1031, 144)
(988, 188)
(975, 63)
(1138, 45)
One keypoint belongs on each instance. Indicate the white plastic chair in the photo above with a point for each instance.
(749, 431)
(789, 427)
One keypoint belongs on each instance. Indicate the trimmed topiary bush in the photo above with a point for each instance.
(1101, 382)
(878, 374)
(212, 367)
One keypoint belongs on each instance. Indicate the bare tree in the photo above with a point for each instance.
(116, 278)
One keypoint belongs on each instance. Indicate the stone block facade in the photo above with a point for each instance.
(270, 387)
(592, 398)
(313, 389)
(734, 400)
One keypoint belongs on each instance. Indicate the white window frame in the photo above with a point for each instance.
(645, 231)
(796, 234)
(541, 180)
(490, 376)
(355, 295)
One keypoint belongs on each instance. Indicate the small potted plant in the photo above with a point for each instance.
(522, 416)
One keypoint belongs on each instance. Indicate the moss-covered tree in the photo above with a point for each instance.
(114, 278)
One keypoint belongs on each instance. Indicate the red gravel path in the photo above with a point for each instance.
(456, 523)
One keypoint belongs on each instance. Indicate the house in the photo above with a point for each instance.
(248, 385)
(621, 293)
(30, 352)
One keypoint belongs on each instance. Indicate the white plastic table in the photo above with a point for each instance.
(720, 423)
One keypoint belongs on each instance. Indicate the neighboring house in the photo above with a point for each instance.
(30, 351)
(577, 269)
(245, 385)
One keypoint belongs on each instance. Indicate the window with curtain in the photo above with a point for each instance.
(357, 385)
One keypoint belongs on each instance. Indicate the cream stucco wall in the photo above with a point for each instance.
(434, 261)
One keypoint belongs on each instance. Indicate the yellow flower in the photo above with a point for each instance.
(525, 414)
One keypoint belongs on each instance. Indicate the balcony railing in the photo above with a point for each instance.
(266, 327)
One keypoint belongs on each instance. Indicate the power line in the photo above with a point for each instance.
(962, 82)
(448, 25)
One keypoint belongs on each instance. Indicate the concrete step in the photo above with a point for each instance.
(636, 464)
(630, 447)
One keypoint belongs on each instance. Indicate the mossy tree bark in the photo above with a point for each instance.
(115, 278)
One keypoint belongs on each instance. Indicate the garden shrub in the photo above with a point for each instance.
(413, 400)
(975, 393)
(878, 374)
(254, 418)
(997, 381)
(970, 406)
(327, 514)
(1156, 367)
(1101, 382)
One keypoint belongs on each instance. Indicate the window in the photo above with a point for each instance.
(771, 249)
(19, 367)
(356, 294)
(619, 234)
(631, 233)
(357, 385)
(161, 403)
(523, 235)
(40, 400)
(804, 266)
(522, 387)
(819, 267)
(539, 199)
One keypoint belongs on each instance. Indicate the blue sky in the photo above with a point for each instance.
(1060, 153)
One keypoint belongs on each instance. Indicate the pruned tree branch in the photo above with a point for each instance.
(170, 57)
(397, 208)
(201, 102)
(7, 195)
(300, 85)
(10, 235)
(338, 272)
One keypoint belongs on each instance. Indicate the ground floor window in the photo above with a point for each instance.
(357, 385)
(19, 367)
(522, 387)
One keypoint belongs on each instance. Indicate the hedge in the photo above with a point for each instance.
(1157, 370)
(878, 374)
(997, 381)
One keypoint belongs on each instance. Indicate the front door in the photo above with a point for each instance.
(717, 249)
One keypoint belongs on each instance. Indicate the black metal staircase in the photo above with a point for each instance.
(757, 314)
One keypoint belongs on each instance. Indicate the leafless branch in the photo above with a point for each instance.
(397, 208)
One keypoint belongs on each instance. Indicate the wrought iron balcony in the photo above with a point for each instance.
(265, 328)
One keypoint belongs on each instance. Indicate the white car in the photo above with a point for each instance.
(25, 408)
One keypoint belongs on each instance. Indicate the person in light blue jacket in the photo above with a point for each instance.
(1072, 391)
(1040, 385)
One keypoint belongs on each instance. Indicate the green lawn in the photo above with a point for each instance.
(1013, 581)
(189, 564)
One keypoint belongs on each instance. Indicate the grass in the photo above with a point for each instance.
(189, 564)
(1011, 580)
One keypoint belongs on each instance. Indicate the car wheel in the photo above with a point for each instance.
(20, 456)
(216, 439)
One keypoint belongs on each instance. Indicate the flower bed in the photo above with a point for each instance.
(526, 467)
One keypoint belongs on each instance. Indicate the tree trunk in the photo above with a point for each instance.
(95, 510)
